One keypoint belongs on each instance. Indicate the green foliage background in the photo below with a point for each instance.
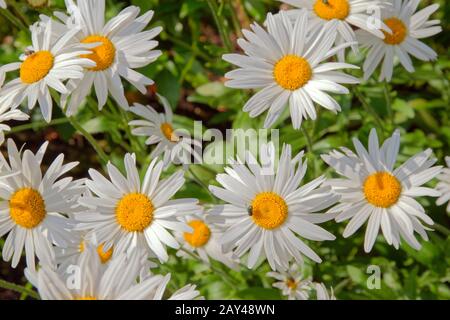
(190, 74)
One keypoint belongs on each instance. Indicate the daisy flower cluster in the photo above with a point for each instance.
(102, 236)
(292, 59)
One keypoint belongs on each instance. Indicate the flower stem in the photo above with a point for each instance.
(197, 180)
(387, 96)
(22, 17)
(369, 109)
(38, 124)
(309, 143)
(309, 146)
(442, 229)
(121, 115)
(15, 287)
(14, 20)
(90, 139)
(220, 25)
(226, 277)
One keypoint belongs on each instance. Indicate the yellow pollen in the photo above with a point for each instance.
(200, 236)
(36, 66)
(167, 131)
(103, 55)
(81, 246)
(134, 212)
(291, 284)
(27, 208)
(382, 189)
(292, 72)
(269, 210)
(398, 29)
(104, 256)
(86, 298)
(334, 9)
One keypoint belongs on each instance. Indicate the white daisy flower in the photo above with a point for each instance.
(70, 255)
(124, 46)
(322, 292)
(116, 281)
(372, 189)
(2, 4)
(291, 283)
(286, 63)
(6, 114)
(407, 28)
(267, 208)
(46, 64)
(444, 186)
(33, 205)
(347, 13)
(129, 214)
(204, 240)
(175, 145)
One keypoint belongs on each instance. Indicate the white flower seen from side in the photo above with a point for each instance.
(175, 146)
(204, 240)
(292, 283)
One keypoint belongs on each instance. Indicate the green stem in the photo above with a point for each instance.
(140, 149)
(234, 19)
(38, 125)
(341, 285)
(90, 139)
(387, 96)
(197, 180)
(442, 229)
(19, 13)
(220, 25)
(309, 146)
(187, 68)
(309, 143)
(194, 49)
(224, 275)
(369, 109)
(15, 287)
(14, 20)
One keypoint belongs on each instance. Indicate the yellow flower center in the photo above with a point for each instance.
(200, 236)
(104, 256)
(291, 284)
(382, 189)
(269, 210)
(81, 246)
(103, 55)
(398, 29)
(36, 66)
(134, 212)
(27, 208)
(167, 131)
(292, 72)
(86, 298)
(332, 9)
